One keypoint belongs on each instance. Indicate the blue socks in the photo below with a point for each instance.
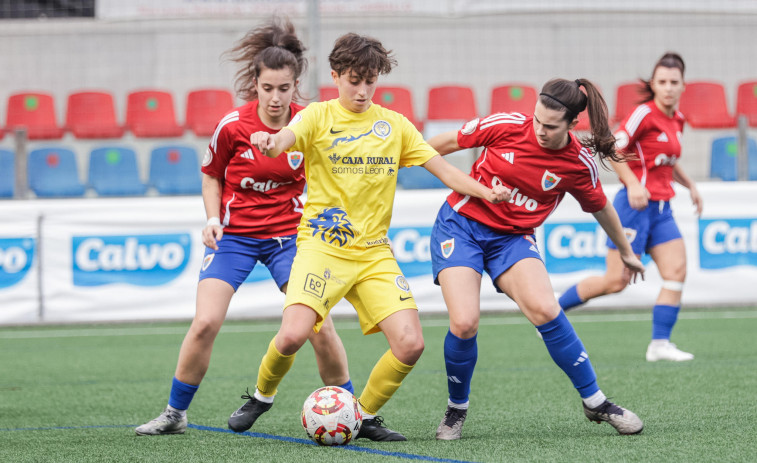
(664, 317)
(570, 298)
(460, 357)
(181, 394)
(569, 354)
(348, 386)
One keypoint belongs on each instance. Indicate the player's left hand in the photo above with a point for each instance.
(633, 266)
(696, 200)
(499, 194)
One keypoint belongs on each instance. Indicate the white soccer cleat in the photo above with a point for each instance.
(168, 422)
(624, 421)
(662, 349)
(451, 427)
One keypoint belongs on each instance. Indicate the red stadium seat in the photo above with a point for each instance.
(35, 112)
(397, 99)
(205, 107)
(746, 102)
(583, 119)
(451, 103)
(150, 113)
(92, 115)
(513, 98)
(627, 97)
(328, 93)
(704, 106)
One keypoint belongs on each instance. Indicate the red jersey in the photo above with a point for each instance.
(655, 138)
(260, 195)
(538, 177)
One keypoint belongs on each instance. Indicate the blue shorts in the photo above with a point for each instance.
(237, 256)
(647, 228)
(457, 241)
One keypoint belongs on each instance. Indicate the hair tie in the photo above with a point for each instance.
(571, 110)
(578, 82)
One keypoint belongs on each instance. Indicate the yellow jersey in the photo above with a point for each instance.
(351, 164)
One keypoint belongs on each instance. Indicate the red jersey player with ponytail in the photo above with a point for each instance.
(539, 160)
(253, 209)
(651, 133)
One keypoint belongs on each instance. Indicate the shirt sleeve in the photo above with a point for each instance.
(491, 130)
(302, 125)
(415, 150)
(220, 151)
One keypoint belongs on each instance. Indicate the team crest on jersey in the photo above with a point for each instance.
(630, 234)
(549, 180)
(207, 260)
(382, 129)
(333, 226)
(402, 283)
(469, 127)
(448, 247)
(295, 159)
(208, 158)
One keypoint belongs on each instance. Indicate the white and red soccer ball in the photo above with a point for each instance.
(331, 416)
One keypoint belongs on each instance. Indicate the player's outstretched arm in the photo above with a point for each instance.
(272, 145)
(610, 223)
(464, 184)
(445, 143)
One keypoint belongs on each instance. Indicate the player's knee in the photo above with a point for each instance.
(205, 329)
(464, 329)
(616, 284)
(410, 349)
(289, 342)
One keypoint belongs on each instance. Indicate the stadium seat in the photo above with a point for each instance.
(451, 102)
(704, 106)
(627, 97)
(328, 93)
(150, 114)
(53, 172)
(417, 177)
(513, 98)
(205, 108)
(174, 170)
(92, 114)
(36, 112)
(724, 158)
(746, 102)
(397, 99)
(113, 171)
(7, 173)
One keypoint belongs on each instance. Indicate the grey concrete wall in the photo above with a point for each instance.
(62, 56)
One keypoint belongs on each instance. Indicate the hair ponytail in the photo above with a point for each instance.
(566, 95)
(275, 46)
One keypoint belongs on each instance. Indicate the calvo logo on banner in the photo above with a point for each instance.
(142, 260)
(16, 257)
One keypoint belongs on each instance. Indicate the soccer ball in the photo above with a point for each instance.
(331, 416)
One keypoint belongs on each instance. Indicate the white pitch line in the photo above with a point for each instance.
(429, 323)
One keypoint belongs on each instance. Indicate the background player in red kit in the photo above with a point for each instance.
(540, 161)
(253, 209)
(652, 134)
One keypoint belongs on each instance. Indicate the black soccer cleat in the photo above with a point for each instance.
(374, 429)
(245, 416)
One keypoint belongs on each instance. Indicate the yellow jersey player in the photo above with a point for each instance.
(352, 150)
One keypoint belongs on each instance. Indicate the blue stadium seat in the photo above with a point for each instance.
(174, 170)
(7, 173)
(417, 178)
(53, 172)
(724, 158)
(113, 171)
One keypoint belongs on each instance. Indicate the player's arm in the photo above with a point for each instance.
(680, 176)
(464, 184)
(608, 219)
(272, 145)
(445, 143)
(211, 197)
(638, 195)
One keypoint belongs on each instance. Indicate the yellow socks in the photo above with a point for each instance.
(273, 367)
(385, 378)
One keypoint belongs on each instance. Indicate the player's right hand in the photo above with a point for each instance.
(499, 194)
(638, 197)
(211, 234)
(263, 141)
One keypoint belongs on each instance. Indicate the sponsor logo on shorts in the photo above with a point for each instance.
(314, 285)
(448, 247)
(402, 283)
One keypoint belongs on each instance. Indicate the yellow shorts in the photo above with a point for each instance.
(374, 285)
